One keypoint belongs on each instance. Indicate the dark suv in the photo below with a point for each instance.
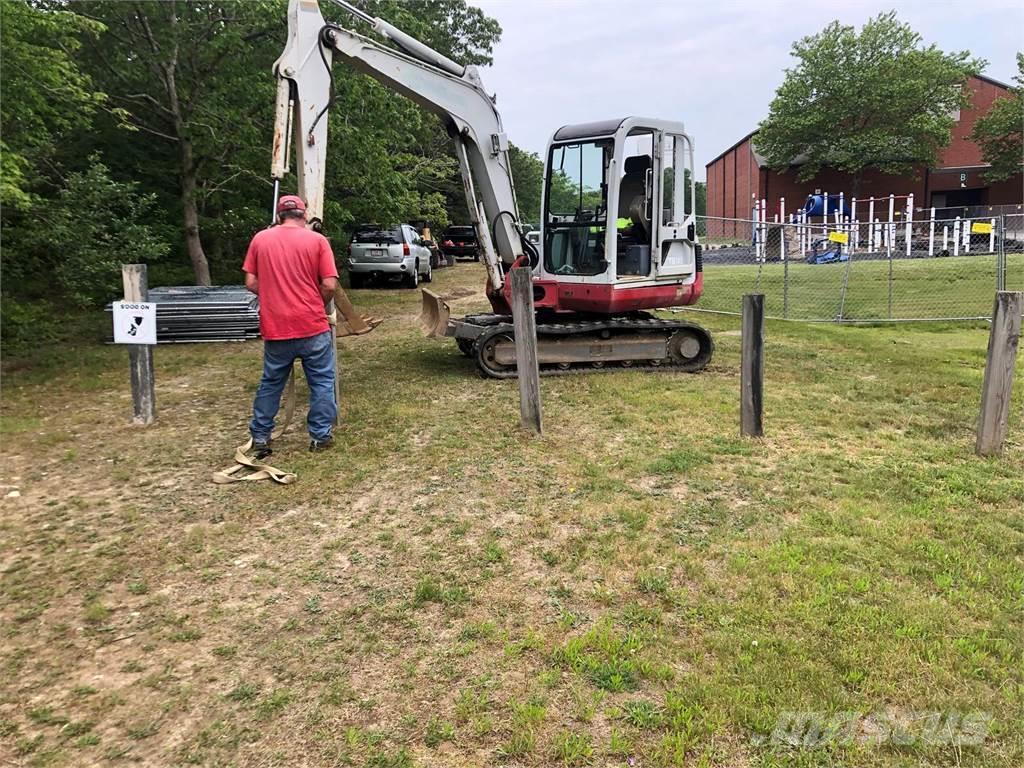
(461, 243)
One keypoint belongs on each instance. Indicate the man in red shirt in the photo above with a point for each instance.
(291, 268)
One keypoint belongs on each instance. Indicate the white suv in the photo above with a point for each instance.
(377, 252)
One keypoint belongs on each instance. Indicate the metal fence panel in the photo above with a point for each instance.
(927, 269)
(1013, 252)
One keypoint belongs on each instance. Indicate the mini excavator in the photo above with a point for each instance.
(618, 230)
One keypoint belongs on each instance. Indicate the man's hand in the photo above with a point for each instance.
(252, 283)
(327, 287)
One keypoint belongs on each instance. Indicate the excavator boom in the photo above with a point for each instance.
(450, 90)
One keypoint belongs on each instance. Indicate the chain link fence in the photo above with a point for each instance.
(932, 269)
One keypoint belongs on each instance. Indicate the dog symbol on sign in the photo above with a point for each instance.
(133, 329)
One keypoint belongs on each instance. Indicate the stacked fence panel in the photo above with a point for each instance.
(193, 313)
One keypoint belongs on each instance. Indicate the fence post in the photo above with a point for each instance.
(992, 236)
(871, 223)
(763, 235)
(752, 365)
(785, 289)
(1001, 255)
(910, 221)
(931, 233)
(527, 367)
(891, 228)
(997, 386)
(782, 231)
(853, 218)
(140, 356)
(889, 247)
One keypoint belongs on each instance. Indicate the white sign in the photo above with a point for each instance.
(134, 322)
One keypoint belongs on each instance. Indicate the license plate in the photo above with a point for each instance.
(378, 252)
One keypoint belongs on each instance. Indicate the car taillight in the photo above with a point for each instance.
(405, 248)
(449, 243)
(350, 249)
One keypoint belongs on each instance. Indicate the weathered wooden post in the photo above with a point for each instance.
(752, 365)
(998, 384)
(527, 367)
(140, 356)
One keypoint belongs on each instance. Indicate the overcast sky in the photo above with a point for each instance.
(714, 64)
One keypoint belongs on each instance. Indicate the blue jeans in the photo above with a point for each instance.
(317, 355)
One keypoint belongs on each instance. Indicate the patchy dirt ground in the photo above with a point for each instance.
(639, 587)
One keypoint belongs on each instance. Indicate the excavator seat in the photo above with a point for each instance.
(632, 194)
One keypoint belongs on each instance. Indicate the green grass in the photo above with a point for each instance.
(921, 288)
(444, 589)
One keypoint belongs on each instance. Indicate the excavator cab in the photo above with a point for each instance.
(618, 227)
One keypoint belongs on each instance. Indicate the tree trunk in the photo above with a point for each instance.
(190, 214)
(855, 192)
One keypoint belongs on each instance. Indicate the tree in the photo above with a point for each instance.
(999, 132)
(877, 99)
(528, 176)
(45, 94)
(183, 72)
(97, 224)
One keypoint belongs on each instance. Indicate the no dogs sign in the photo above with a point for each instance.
(134, 322)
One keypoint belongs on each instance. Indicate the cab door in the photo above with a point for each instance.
(675, 239)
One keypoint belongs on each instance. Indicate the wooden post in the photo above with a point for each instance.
(752, 365)
(527, 367)
(140, 356)
(998, 384)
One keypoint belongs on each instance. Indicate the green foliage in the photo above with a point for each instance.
(999, 132)
(46, 96)
(26, 324)
(179, 98)
(96, 225)
(873, 99)
(528, 175)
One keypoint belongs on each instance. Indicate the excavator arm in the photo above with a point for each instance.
(450, 90)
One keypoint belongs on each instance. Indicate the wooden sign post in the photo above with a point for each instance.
(752, 365)
(997, 388)
(140, 356)
(528, 368)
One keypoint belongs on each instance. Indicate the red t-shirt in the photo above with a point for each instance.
(290, 262)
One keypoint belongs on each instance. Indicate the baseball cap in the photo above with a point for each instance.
(290, 203)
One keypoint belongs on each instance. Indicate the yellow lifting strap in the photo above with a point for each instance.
(246, 468)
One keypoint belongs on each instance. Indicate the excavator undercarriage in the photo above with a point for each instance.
(574, 343)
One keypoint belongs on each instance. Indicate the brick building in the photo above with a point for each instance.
(739, 173)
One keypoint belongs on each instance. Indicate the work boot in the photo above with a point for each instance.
(315, 446)
(260, 450)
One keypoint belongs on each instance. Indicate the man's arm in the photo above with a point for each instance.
(328, 270)
(327, 287)
(250, 268)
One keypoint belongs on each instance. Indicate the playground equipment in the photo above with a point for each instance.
(892, 226)
(825, 251)
(815, 205)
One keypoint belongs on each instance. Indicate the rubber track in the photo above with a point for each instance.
(592, 326)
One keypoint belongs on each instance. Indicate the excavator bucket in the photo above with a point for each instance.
(434, 315)
(350, 322)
